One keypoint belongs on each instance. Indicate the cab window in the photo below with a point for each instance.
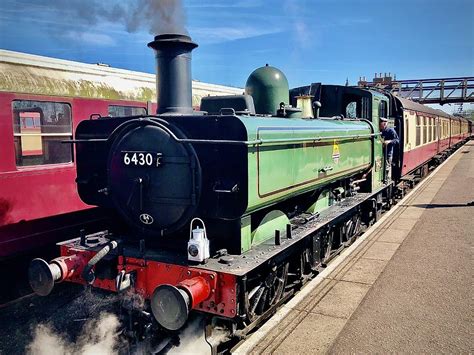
(383, 109)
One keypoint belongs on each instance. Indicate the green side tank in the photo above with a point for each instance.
(269, 87)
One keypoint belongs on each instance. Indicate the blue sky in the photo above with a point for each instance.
(311, 41)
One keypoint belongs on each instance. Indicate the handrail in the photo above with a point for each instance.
(247, 143)
(222, 141)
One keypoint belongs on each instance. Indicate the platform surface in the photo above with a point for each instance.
(407, 287)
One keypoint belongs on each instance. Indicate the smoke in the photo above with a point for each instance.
(46, 341)
(304, 32)
(192, 339)
(87, 325)
(160, 16)
(132, 300)
(156, 16)
(98, 336)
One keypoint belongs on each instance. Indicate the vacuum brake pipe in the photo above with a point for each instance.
(43, 275)
(87, 273)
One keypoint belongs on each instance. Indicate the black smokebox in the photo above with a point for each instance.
(173, 74)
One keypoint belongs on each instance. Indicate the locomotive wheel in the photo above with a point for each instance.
(268, 292)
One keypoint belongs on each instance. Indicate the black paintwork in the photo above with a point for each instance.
(103, 180)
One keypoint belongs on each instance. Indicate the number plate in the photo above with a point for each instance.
(150, 159)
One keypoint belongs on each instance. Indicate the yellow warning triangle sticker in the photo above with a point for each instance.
(335, 152)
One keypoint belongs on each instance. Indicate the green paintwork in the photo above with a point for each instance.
(269, 87)
(273, 220)
(245, 234)
(281, 170)
(324, 201)
(278, 171)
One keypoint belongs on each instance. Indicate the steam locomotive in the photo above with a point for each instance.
(226, 211)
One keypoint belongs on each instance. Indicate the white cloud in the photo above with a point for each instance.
(98, 39)
(452, 108)
(212, 35)
(224, 4)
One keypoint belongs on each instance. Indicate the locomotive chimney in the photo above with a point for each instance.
(173, 75)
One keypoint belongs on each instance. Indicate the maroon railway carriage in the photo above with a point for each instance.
(38, 198)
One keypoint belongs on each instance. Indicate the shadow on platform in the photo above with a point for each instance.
(444, 205)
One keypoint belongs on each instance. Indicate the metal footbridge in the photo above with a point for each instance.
(426, 91)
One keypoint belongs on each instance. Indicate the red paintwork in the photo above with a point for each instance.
(70, 265)
(199, 288)
(220, 300)
(416, 157)
(151, 274)
(32, 195)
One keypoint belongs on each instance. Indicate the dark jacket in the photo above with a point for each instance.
(389, 134)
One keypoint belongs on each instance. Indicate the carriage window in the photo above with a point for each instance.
(418, 130)
(38, 129)
(383, 109)
(430, 129)
(122, 111)
(425, 136)
(407, 131)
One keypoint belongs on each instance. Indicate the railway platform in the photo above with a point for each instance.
(405, 286)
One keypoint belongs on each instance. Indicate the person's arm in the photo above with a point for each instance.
(393, 137)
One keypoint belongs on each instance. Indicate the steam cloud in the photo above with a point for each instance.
(192, 340)
(99, 336)
(102, 334)
(156, 16)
